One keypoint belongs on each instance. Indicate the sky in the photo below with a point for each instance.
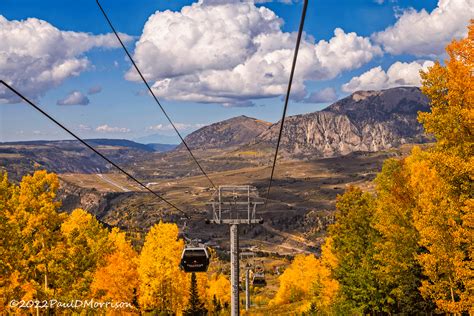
(206, 60)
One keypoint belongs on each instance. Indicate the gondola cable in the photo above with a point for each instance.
(91, 148)
(153, 94)
(287, 97)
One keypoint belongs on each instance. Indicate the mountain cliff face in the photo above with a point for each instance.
(226, 134)
(363, 121)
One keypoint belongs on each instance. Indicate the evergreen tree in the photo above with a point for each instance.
(216, 305)
(195, 306)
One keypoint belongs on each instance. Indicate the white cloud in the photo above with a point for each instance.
(426, 34)
(321, 96)
(206, 64)
(399, 74)
(110, 129)
(84, 128)
(35, 56)
(179, 126)
(74, 98)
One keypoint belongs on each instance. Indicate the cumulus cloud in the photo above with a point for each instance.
(35, 56)
(74, 98)
(399, 74)
(111, 129)
(426, 34)
(205, 64)
(94, 90)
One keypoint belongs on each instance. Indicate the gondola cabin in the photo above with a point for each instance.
(258, 279)
(195, 259)
(258, 276)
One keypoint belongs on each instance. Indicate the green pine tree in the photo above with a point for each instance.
(195, 305)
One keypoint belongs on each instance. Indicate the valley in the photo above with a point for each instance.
(322, 154)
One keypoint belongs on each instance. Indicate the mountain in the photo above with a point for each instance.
(93, 142)
(226, 134)
(119, 143)
(162, 147)
(63, 156)
(363, 121)
(366, 121)
(158, 138)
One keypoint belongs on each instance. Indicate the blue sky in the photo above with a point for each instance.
(380, 44)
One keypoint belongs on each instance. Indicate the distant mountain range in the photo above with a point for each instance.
(363, 121)
(158, 138)
(64, 156)
(125, 143)
(366, 121)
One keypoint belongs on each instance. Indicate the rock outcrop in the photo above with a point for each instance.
(363, 121)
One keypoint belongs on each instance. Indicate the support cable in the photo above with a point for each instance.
(287, 97)
(92, 148)
(153, 94)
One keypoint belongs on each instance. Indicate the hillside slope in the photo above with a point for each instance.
(226, 134)
(363, 121)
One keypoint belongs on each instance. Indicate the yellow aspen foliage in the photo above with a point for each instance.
(444, 223)
(442, 180)
(9, 245)
(218, 287)
(163, 286)
(202, 280)
(85, 247)
(296, 282)
(117, 279)
(31, 214)
(397, 267)
(450, 89)
(325, 287)
(328, 258)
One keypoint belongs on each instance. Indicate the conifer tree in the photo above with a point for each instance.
(195, 305)
(216, 305)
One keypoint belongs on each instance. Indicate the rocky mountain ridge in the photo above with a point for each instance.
(363, 121)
